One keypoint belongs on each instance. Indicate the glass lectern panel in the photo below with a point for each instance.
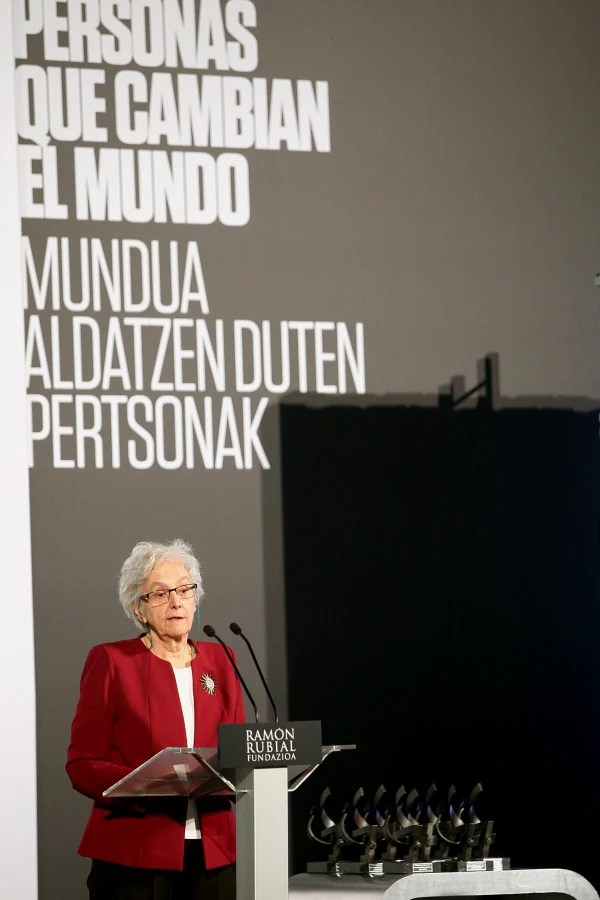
(297, 775)
(195, 771)
(175, 772)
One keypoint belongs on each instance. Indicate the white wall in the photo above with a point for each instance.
(18, 822)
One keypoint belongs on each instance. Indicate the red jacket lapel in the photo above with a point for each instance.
(167, 728)
(208, 699)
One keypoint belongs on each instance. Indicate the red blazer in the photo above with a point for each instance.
(128, 710)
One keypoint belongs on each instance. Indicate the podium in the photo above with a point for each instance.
(259, 779)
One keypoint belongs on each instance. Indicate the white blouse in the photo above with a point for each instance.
(185, 687)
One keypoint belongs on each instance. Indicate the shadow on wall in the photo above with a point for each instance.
(436, 600)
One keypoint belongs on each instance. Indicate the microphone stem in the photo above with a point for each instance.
(237, 671)
(262, 677)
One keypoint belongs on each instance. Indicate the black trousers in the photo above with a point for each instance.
(109, 881)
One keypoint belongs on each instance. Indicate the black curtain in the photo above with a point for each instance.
(442, 577)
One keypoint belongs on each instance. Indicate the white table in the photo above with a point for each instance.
(441, 884)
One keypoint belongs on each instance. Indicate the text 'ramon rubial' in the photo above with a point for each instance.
(267, 744)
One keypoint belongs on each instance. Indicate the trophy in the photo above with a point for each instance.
(370, 834)
(412, 835)
(411, 831)
(467, 843)
(322, 829)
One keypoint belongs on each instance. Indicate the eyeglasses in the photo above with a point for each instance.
(185, 592)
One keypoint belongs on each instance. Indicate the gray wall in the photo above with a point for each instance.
(457, 213)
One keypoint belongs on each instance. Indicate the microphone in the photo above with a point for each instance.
(237, 630)
(210, 632)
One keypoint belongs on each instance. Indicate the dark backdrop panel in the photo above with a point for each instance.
(442, 577)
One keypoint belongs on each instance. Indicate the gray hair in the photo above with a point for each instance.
(143, 558)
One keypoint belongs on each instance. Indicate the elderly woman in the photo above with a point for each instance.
(138, 696)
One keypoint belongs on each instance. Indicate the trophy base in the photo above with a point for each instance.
(401, 867)
(343, 867)
(492, 864)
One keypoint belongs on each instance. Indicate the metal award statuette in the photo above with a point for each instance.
(475, 844)
(391, 835)
(323, 829)
(411, 830)
(369, 833)
(406, 837)
(372, 832)
(478, 838)
(465, 845)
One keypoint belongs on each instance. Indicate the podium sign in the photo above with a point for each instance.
(270, 744)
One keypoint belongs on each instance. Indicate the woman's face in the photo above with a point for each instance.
(172, 619)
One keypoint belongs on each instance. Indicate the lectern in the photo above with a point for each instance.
(258, 764)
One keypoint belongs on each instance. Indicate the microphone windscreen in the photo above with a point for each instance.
(235, 628)
(209, 630)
